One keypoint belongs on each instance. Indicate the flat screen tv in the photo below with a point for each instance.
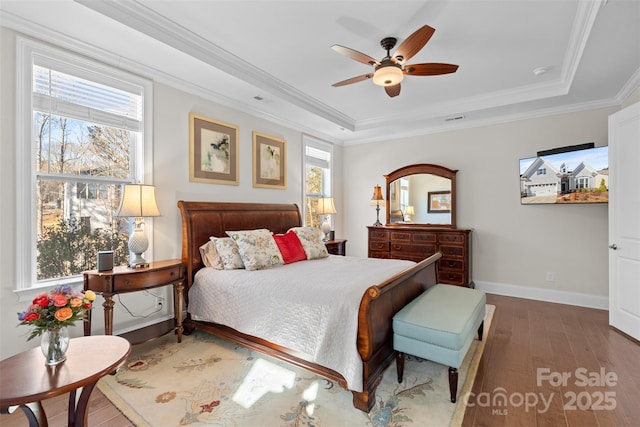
(577, 176)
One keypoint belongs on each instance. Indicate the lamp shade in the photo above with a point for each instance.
(377, 195)
(325, 206)
(409, 210)
(138, 200)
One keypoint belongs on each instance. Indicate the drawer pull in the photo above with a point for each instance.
(173, 273)
(127, 282)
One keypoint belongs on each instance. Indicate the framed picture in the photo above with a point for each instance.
(269, 161)
(213, 151)
(439, 202)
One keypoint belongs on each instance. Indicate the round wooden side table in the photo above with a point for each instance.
(26, 381)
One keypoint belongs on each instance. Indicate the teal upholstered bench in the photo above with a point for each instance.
(439, 325)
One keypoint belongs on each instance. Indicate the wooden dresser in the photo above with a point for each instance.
(416, 243)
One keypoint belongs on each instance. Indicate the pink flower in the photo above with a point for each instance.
(59, 300)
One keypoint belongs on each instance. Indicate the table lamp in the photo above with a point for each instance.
(408, 211)
(138, 201)
(376, 200)
(326, 208)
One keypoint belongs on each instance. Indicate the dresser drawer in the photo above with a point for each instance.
(451, 278)
(145, 279)
(423, 238)
(378, 245)
(451, 238)
(452, 251)
(400, 236)
(378, 235)
(451, 264)
(406, 248)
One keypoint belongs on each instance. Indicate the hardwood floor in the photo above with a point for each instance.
(525, 336)
(531, 344)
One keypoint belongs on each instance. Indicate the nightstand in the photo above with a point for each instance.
(125, 279)
(336, 247)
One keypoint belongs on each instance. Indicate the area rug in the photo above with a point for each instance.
(207, 381)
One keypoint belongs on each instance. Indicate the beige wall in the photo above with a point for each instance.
(514, 246)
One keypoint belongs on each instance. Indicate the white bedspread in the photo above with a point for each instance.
(309, 306)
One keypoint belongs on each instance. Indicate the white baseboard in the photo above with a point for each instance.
(549, 295)
(141, 325)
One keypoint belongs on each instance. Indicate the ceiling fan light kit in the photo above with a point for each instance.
(388, 75)
(390, 71)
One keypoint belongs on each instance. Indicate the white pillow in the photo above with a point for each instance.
(311, 239)
(257, 248)
(210, 257)
(229, 252)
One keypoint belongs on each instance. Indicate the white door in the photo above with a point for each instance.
(624, 220)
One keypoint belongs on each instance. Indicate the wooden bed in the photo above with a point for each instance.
(200, 220)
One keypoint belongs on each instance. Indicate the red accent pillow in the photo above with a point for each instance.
(290, 247)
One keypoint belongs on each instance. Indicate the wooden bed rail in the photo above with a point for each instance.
(414, 282)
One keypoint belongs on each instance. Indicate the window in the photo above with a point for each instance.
(404, 194)
(317, 172)
(82, 135)
(542, 171)
(582, 183)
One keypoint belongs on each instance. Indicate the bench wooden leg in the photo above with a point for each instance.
(453, 383)
(400, 365)
(481, 331)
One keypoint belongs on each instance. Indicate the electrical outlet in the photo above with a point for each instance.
(550, 276)
(159, 301)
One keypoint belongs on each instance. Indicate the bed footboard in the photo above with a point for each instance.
(375, 334)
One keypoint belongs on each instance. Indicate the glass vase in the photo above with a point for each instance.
(54, 345)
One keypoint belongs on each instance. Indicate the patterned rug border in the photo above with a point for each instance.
(456, 420)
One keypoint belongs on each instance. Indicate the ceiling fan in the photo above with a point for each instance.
(389, 71)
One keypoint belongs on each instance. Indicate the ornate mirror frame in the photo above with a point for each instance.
(423, 168)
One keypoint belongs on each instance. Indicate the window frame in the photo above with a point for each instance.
(309, 141)
(27, 286)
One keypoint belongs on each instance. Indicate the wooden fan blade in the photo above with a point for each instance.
(392, 90)
(353, 80)
(354, 54)
(412, 44)
(430, 69)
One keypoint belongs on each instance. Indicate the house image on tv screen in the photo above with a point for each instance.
(574, 177)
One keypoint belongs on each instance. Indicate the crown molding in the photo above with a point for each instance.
(55, 38)
(145, 20)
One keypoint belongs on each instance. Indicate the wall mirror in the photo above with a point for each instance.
(422, 194)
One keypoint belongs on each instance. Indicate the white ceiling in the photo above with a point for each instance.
(233, 51)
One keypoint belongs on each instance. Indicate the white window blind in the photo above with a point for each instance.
(73, 96)
(317, 157)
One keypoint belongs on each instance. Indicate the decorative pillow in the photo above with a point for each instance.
(311, 239)
(257, 248)
(228, 252)
(210, 257)
(290, 247)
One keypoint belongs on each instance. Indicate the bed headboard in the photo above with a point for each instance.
(201, 220)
